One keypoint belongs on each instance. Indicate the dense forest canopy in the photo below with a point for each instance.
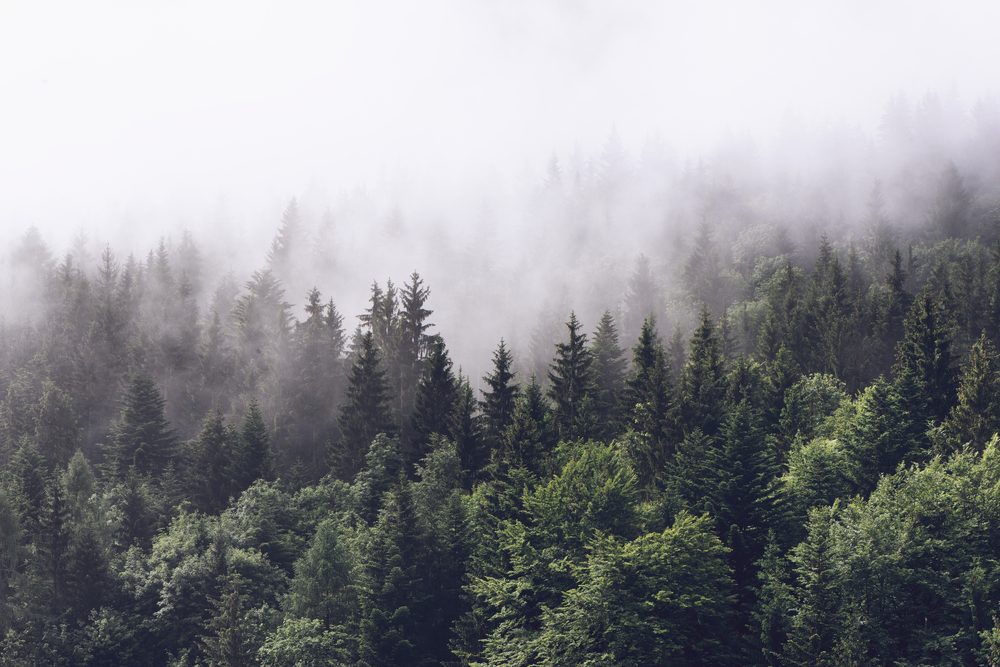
(769, 444)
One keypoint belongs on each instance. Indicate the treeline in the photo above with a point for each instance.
(808, 475)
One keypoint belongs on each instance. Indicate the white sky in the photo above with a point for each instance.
(130, 105)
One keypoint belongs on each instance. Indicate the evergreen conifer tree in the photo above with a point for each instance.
(435, 404)
(571, 380)
(609, 377)
(500, 396)
(140, 438)
(366, 412)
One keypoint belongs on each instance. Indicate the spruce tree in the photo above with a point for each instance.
(53, 542)
(703, 385)
(609, 377)
(531, 436)
(435, 404)
(140, 438)
(392, 601)
(924, 373)
(467, 431)
(571, 380)
(976, 416)
(650, 395)
(210, 458)
(366, 412)
(253, 459)
(499, 397)
(414, 343)
(57, 430)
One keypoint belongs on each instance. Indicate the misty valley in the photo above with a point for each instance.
(492, 334)
(783, 455)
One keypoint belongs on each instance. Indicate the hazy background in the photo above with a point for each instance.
(425, 129)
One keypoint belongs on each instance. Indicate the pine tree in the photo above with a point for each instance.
(435, 403)
(210, 459)
(30, 480)
(141, 437)
(571, 380)
(87, 571)
(56, 428)
(500, 397)
(317, 346)
(976, 415)
(392, 595)
(924, 373)
(414, 343)
(322, 587)
(79, 482)
(53, 542)
(650, 397)
(703, 386)
(227, 641)
(531, 436)
(279, 257)
(366, 412)
(467, 431)
(815, 622)
(252, 460)
(609, 377)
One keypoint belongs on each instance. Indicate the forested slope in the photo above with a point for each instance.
(806, 475)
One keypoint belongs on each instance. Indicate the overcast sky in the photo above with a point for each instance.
(163, 107)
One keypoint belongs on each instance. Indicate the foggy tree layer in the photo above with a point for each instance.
(794, 464)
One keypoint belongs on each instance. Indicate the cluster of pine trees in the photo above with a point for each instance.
(809, 475)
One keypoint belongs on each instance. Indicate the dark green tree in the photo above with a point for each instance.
(393, 598)
(532, 435)
(253, 459)
(366, 413)
(924, 371)
(975, 418)
(703, 382)
(499, 397)
(571, 378)
(609, 367)
(650, 400)
(435, 404)
(140, 438)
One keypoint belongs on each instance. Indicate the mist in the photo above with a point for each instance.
(520, 155)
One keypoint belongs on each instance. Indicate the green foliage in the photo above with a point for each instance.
(703, 386)
(499, 396)
(366, 413)
(975, 418)
(435, 404)
(304, 642)
(140, 438)
(571, 378)
(663, 598)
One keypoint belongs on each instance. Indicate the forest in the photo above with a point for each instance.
(777, 449)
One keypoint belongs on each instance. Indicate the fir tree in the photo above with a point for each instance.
(702, 387)
(924, 372)
(467, 431)
(531, 435)
(500, 396)
(976, 416)
(571, 380)
(211, 458)
(436, 395)
(253, 459)
(392, 596)
(366, 412)
(140, 438)
(650, 395)
(609, 377)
